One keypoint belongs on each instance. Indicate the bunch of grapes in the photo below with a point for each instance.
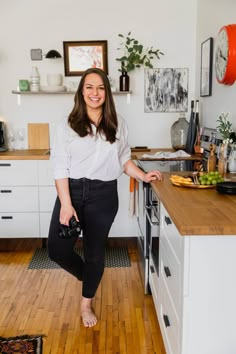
(209, 178)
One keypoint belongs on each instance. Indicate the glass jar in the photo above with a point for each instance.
(232, 159)
(179, 131)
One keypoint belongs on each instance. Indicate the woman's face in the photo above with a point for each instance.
(94, 91)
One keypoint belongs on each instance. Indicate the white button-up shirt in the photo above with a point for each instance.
(91, 157)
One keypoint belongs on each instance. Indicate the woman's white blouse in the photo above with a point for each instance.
(92, 156)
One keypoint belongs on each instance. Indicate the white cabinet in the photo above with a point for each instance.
(28, 194)
(19, 199)
(197, 291)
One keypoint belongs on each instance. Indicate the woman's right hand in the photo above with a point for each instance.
(66, 214)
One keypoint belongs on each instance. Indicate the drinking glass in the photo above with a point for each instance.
(223, 155)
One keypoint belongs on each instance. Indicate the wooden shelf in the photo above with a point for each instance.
(15, 92)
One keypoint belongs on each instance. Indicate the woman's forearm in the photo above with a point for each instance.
(134, 171)
(63, 192)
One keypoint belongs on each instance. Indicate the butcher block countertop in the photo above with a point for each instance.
(28, 154)
(197, 211)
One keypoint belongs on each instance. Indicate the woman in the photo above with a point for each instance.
(90, 152)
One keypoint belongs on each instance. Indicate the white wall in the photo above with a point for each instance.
(212, 15)
(166, 24)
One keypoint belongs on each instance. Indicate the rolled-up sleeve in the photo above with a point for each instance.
(59, 154)
(124, 148)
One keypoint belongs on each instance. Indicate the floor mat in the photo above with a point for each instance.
(115, 257)
(23, 344)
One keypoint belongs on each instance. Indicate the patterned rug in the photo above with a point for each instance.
(21, 345)
(114, 257)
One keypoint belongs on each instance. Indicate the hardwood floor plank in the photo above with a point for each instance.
(48, 302)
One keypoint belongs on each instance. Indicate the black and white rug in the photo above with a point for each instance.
(115, 257)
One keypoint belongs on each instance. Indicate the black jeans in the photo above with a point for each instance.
(96, 204)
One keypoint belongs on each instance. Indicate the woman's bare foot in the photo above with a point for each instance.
(87, 314)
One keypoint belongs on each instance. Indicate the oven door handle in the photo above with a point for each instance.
(153, 208)
(152, 223)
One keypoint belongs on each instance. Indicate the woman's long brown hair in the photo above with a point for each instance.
(79, 120)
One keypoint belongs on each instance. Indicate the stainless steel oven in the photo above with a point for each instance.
(148, 218)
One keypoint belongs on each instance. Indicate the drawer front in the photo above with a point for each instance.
(19, 225)
(170, 273)
(45, 219)
(45, 172)
(18, 173)
(18, 199)
(169, 323)
(170, 231)
(47, 197)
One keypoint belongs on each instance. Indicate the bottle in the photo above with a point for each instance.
(189, 147)
(124, 81)
(179, 130)
(34, 80)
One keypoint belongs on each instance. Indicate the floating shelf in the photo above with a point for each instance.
(15, 92)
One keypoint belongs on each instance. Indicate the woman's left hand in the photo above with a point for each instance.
(152, 176)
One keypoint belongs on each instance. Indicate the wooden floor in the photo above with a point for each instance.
(48, 302)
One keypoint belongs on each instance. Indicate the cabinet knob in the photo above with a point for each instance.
(168, 220)
(152, 269)
(167, 271)
(166, 320)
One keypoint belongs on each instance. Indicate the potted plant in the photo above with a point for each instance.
(134, 56)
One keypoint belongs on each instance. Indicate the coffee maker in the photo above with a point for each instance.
(3, 145)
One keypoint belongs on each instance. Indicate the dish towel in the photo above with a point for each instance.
(133, 197)
(166, 155)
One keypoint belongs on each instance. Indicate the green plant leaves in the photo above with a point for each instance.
(135, 55)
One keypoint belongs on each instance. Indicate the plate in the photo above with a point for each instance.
(196, 186)
(228, 187)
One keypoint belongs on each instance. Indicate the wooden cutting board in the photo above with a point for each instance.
(38, 136)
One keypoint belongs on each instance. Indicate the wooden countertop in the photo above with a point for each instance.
(197, 211)
(28, 154)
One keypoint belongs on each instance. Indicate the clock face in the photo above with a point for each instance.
(221, 56)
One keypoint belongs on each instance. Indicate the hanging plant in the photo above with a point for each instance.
(135, 55)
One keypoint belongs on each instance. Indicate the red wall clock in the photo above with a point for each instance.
(225, 55)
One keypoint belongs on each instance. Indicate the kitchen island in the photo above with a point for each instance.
(195, 290)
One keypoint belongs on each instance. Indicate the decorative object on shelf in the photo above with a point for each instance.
(81, 55)
(24, 85)
(225, 55)
(124, 81)
(134, 56)
(206, 67)
(179, 130)
(37, 54)
(34, 80)
(54, 83)
(166, 90)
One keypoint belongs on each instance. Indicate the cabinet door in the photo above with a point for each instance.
(19, 225)
(45, 173)
(18, 173)
(123, 225)
(47, 197)
(18, 199)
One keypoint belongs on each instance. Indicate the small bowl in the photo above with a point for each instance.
(54, 79)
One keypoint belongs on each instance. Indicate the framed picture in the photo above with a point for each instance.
(166, 90)
(82, 55)
(206, 67)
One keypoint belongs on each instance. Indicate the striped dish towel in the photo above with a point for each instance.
(133, 197)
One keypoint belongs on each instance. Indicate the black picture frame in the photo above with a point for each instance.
(82, 55)
(206, 67)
